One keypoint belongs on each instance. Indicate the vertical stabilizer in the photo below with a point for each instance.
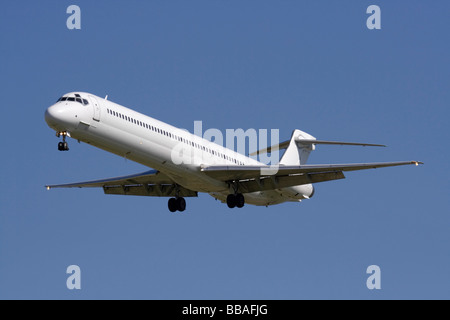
(296, 153)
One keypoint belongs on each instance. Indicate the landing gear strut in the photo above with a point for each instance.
(235, 200)
(63, 146)
(177, 204)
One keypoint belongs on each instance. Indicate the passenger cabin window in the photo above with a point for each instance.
(161, 131)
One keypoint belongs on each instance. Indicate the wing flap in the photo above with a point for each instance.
(148, 177)
(271, 182)
(150, 191)
(150, 183)
(232, 173)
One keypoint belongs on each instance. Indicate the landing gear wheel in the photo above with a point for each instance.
(240, 200)
(63, 146)
(172, 204)
(177, 204)
(231, 201)
(235, 200)
(181, 204)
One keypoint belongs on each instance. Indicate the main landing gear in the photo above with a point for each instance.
(177, 204)
(235, 200)
(62, 146)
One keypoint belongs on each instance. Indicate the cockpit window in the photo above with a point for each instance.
(78, 98)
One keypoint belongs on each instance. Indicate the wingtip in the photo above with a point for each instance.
(417, 162)
(376, 145)
(373, 145)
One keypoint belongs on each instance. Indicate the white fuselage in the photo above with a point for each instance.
(173, 151)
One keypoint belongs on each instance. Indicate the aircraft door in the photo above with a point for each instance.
(96, 107)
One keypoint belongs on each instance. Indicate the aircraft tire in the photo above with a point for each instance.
(172, 204)
(181, 204)
(240, 200)
(231, 201)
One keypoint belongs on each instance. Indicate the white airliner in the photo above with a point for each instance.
(231, 177)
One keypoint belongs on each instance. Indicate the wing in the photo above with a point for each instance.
(150, 183)
(259, 178)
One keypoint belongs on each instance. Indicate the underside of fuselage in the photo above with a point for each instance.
(261, 198)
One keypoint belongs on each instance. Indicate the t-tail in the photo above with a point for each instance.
(299, 147)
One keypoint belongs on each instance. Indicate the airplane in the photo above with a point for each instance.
(228, 176)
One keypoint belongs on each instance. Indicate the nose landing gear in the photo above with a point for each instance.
(63, 146)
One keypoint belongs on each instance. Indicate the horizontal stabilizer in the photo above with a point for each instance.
(285, 144)
(305, 141)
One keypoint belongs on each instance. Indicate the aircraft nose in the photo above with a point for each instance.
(51, 115)
(58, 116)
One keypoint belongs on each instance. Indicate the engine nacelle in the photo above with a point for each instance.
(304, 191)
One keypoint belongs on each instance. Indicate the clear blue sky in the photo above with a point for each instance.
(311, 65)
